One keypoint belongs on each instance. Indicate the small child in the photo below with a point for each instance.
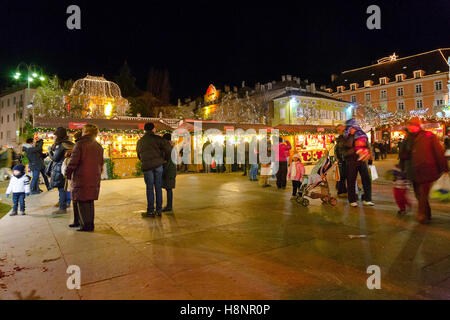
(295, 173)
(401, 186)
(19, 185)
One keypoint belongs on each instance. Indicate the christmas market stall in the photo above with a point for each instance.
(311, 142)
(118, 138)
(215, 131)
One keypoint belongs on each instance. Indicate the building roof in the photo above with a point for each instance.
(293, 128)
(430, 62)
(120, 124)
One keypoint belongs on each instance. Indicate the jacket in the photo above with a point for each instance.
(339, 148)
(85, 169)
(299, 171)
(422, 157)
(19, 185)
(57, 156)
(283, 151)
(350, 151)
(169, 175)
(34, 155)
(153, 151)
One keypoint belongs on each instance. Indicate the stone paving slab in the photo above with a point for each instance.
(228, 238)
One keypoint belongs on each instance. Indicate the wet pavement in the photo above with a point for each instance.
(227, 238)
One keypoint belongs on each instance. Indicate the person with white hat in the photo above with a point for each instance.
(295, 174)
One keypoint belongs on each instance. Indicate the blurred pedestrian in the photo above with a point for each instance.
(423, 160)
(295, 174)
(282, 157)
(19, 186)
(36, 165)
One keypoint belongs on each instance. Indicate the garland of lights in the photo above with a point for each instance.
(113, 131)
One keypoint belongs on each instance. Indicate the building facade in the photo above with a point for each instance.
(414, 85)
(13, 111)
(308, 108)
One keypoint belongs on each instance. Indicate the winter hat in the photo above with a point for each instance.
(296, 155)
(19, 167)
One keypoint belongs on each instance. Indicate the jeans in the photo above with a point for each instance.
(353, 167)
(295, 186)
(62, 199)
(35, 181)
(253, 172)
(18, 198)
(153, 181)
(169, 198)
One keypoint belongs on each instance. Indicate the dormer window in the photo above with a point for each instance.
(353, 86)
(399, 77)
(383, 80)
(368, 83)
(418, 73)
(340, 89)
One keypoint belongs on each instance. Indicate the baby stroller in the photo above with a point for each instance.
(318, 177)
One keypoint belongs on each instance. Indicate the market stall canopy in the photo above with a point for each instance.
(222, 126)
(291, 128)
(108, 124)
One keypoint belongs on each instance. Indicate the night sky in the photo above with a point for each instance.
(219, 42)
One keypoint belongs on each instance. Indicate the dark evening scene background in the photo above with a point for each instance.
(224, 42)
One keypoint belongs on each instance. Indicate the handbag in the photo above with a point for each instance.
(373, 172)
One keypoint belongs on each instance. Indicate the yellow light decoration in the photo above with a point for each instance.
(108, 109)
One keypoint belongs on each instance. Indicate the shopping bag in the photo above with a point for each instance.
(337, 176)
(373, 172)
(213, 164)
(441, 188)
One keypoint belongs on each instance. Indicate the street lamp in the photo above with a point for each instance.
(30, 74)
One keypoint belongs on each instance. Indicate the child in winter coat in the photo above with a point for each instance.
(401, 186)
(295, 173)
(19, 185)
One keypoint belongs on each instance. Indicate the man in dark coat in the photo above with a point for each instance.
(153, 151)
(36, 163)
(85, 170)
(57, 155)
(422, 158)
(169, 177)
(341, 185)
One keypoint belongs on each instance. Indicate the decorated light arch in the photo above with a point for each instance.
(96, 97)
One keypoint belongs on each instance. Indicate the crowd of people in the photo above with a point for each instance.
(76, 167)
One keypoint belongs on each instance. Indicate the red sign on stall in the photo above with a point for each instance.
(77, 125)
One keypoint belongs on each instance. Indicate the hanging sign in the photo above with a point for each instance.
(77, 125)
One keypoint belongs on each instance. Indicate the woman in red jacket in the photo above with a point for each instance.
(85, 170)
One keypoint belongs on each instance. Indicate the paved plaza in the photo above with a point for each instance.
(227, 238)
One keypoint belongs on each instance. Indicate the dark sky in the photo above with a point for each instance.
(219, 42)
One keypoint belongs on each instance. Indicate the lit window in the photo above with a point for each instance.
(368, 83)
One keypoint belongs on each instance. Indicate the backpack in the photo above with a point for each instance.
(64, 166)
